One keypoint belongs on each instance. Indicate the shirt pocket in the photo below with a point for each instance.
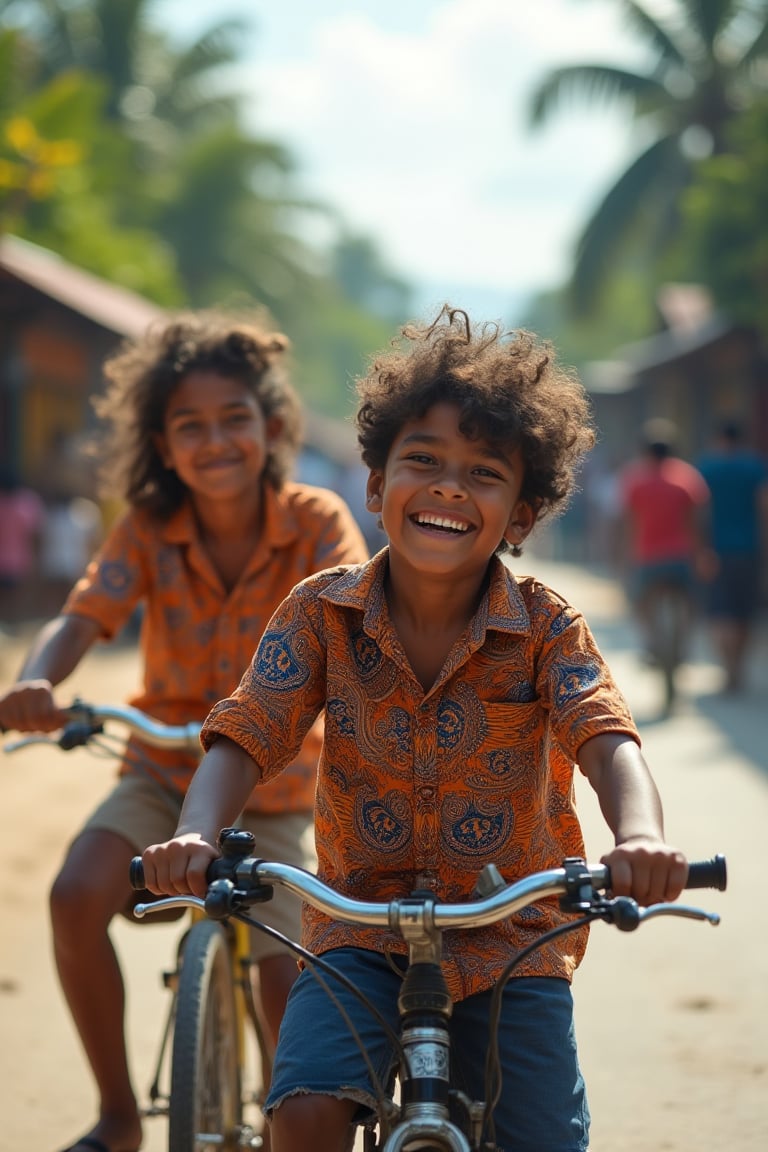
(511, 750)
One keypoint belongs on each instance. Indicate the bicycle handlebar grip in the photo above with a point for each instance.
(708, 874)
(136, 874)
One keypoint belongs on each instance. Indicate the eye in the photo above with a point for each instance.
(420, 458)
(486, 473)
(185, 427)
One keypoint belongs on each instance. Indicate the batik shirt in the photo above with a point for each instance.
(422, 789)
(196, 639)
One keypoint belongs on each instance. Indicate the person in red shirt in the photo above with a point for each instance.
(664, 500)
(203, 427)
(459, 698)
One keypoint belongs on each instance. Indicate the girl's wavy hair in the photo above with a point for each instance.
(142, 376)
(509, 390)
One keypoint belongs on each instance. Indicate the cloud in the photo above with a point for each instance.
(419, 137)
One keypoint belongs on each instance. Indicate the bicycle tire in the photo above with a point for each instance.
(671, 625)
(205, 1099)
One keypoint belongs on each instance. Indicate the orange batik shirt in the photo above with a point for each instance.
(197, 639)
(420, 790)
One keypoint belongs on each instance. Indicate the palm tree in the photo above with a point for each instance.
(706, 59)
(147, 79)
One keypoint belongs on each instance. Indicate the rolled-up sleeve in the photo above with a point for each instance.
(281, 693)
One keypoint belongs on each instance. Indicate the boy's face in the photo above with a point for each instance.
(215, 436)
(447, 501)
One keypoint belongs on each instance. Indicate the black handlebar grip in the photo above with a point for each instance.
(136, 874)
(708, 874)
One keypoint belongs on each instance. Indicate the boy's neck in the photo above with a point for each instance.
(428, 603)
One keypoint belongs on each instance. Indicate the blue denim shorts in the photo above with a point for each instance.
(543, 1102)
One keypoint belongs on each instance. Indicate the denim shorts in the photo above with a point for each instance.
(543, 1101)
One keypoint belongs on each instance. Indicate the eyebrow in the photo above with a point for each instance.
(427, 438)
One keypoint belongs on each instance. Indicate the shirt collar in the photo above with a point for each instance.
(280, 524)
(362, 587)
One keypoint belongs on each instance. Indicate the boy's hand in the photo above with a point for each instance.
(178, 867)
(29, 706)
(648, 870)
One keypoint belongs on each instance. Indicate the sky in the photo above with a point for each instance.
(410, 118)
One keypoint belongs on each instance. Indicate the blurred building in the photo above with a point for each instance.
(698, 369)
(57, 324)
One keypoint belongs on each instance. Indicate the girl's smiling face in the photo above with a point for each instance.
(446, 500)
(215, 436)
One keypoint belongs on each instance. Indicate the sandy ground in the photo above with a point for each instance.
(672, 1020)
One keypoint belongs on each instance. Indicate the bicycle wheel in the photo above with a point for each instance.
(671, 624)
(205, 1108)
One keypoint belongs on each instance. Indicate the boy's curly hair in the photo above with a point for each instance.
(507, 385)
(143, 374)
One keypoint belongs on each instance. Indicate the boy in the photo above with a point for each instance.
(457, 699)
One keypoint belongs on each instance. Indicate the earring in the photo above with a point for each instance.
(516, 550)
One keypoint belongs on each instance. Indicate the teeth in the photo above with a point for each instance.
(442, 522)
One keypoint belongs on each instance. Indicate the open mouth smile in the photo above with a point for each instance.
(441, 523)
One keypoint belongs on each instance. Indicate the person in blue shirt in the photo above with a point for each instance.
(738, 483)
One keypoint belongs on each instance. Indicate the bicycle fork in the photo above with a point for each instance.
(425, 1007)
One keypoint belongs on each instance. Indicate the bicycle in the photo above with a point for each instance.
(205, 1080)
(669, 608)
(432, 1115)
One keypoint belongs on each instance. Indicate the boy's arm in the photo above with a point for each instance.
(217, 794)
(29, 706)
(642, 864)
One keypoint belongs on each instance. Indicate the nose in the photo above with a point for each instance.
(449, 485)
(216, 434)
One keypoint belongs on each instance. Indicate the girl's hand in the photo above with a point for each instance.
(178, 867)
(29, 706)
(648, 870)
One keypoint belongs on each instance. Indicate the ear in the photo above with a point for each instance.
(521, 522)
(373, 491)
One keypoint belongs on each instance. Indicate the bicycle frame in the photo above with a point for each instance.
(424, 1003)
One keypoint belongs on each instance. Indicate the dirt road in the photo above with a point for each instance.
(672, 1020)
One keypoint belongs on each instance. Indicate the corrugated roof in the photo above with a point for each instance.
(117, 309)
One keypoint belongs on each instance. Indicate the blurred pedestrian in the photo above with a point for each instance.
(663, 501)
(738, 484)
(21, 519)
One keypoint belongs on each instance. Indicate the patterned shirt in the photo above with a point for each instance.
(196, 639)
(420, 790)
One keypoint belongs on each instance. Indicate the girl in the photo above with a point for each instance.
(203, 429)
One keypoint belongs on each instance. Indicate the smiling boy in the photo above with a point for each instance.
(458, 700)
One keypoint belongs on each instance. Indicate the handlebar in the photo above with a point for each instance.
(86, 721)
(237, 880)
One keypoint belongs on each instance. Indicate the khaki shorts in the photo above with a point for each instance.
(142, 813)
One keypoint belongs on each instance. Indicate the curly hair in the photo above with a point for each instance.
(509, 390)
(142, 376)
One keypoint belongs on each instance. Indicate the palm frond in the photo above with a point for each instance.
(658, 172)
(220, 45)
(709, 18)
(592, 82)
(658, 34)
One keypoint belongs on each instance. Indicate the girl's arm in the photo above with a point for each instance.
(642, 864)
(217, 794)
(29, 706)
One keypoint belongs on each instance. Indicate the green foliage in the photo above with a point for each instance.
(136, 166)
(725, 235)
(627, 315)
(703, 73)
